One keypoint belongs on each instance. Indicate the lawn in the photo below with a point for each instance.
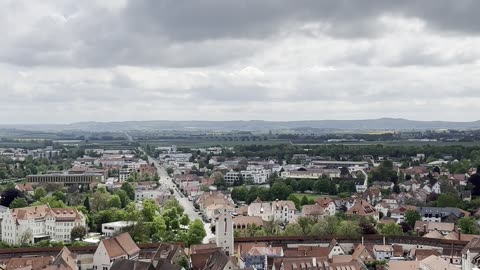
(311, 196)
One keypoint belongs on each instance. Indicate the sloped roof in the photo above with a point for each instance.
(434, 234)
(65, 259)
(33, 263)
(217, 261)
(120, 245)
(421, 254)
(435, 262)
(124, 264)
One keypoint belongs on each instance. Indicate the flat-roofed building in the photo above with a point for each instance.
(65, 178)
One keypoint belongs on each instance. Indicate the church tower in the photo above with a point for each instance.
(224, 231)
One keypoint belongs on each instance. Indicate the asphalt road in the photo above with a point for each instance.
(167, 182)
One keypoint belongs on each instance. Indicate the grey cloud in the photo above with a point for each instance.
(182, 33)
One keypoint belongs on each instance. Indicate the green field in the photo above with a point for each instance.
(207, 143)
(311, 196)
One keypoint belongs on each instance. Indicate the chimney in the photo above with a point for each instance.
(459, 234)
(425, 228)
(418, 231)
(362, 240)
(314, 262)
(384, 240)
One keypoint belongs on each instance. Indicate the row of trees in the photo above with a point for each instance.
(282, 189)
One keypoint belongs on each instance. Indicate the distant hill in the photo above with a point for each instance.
(254, 125)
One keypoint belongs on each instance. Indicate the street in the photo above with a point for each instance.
(167, 182)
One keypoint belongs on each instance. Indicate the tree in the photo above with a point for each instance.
(150, 209)
(115, 201)
(467, 224)
(448, 200)
(156, 177)
(40, 192)
(183, 262)
(411, 216)
(295, 200)
(18, 203)
(9, 195)
(348, 228)
(184, 220)
(26, 237)
(475, 181)
(304, 200)
(128, 188)
(305, 224)
(158, 228)
(240, 193)
(391, 229)
(170, 170)
(292, 229)
(122, 194)
(196, 232)
(100, 200)
(60, 196)
(86, 203)
(78, 232)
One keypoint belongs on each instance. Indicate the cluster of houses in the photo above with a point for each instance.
(20, 154)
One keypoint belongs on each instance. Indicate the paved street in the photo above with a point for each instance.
(167, 182)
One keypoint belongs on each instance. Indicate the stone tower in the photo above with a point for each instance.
(224, 231)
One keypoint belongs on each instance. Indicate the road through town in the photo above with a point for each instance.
(167, 182)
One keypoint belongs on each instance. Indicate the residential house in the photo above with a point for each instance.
(334, 249)
(372, 195)
(213, 197)
(383, 208)
(435, 263)
(361, 253)
(33, 263)
(399, 213)
(219, 261)
(439, 214)
(362, 208)
(313, 211)
(470, 255)
(428, 226)
(384, 185)
(435, 188)
(112, 249)
(25, 188)
(257, 257)
(261, 209)
(383, 252)
(458, 179)
(313, 263)
(283, 211)
(64, 260)
(410, 185)
(124, 264)
(170, 253)
(328, 205)
(419, 254)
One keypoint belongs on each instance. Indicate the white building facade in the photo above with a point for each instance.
(35, 223)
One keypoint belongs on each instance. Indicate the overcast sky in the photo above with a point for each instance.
(65, 61)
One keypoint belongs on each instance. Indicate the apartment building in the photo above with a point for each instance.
(35, 223)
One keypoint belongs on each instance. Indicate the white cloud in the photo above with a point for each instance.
(67, 61)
